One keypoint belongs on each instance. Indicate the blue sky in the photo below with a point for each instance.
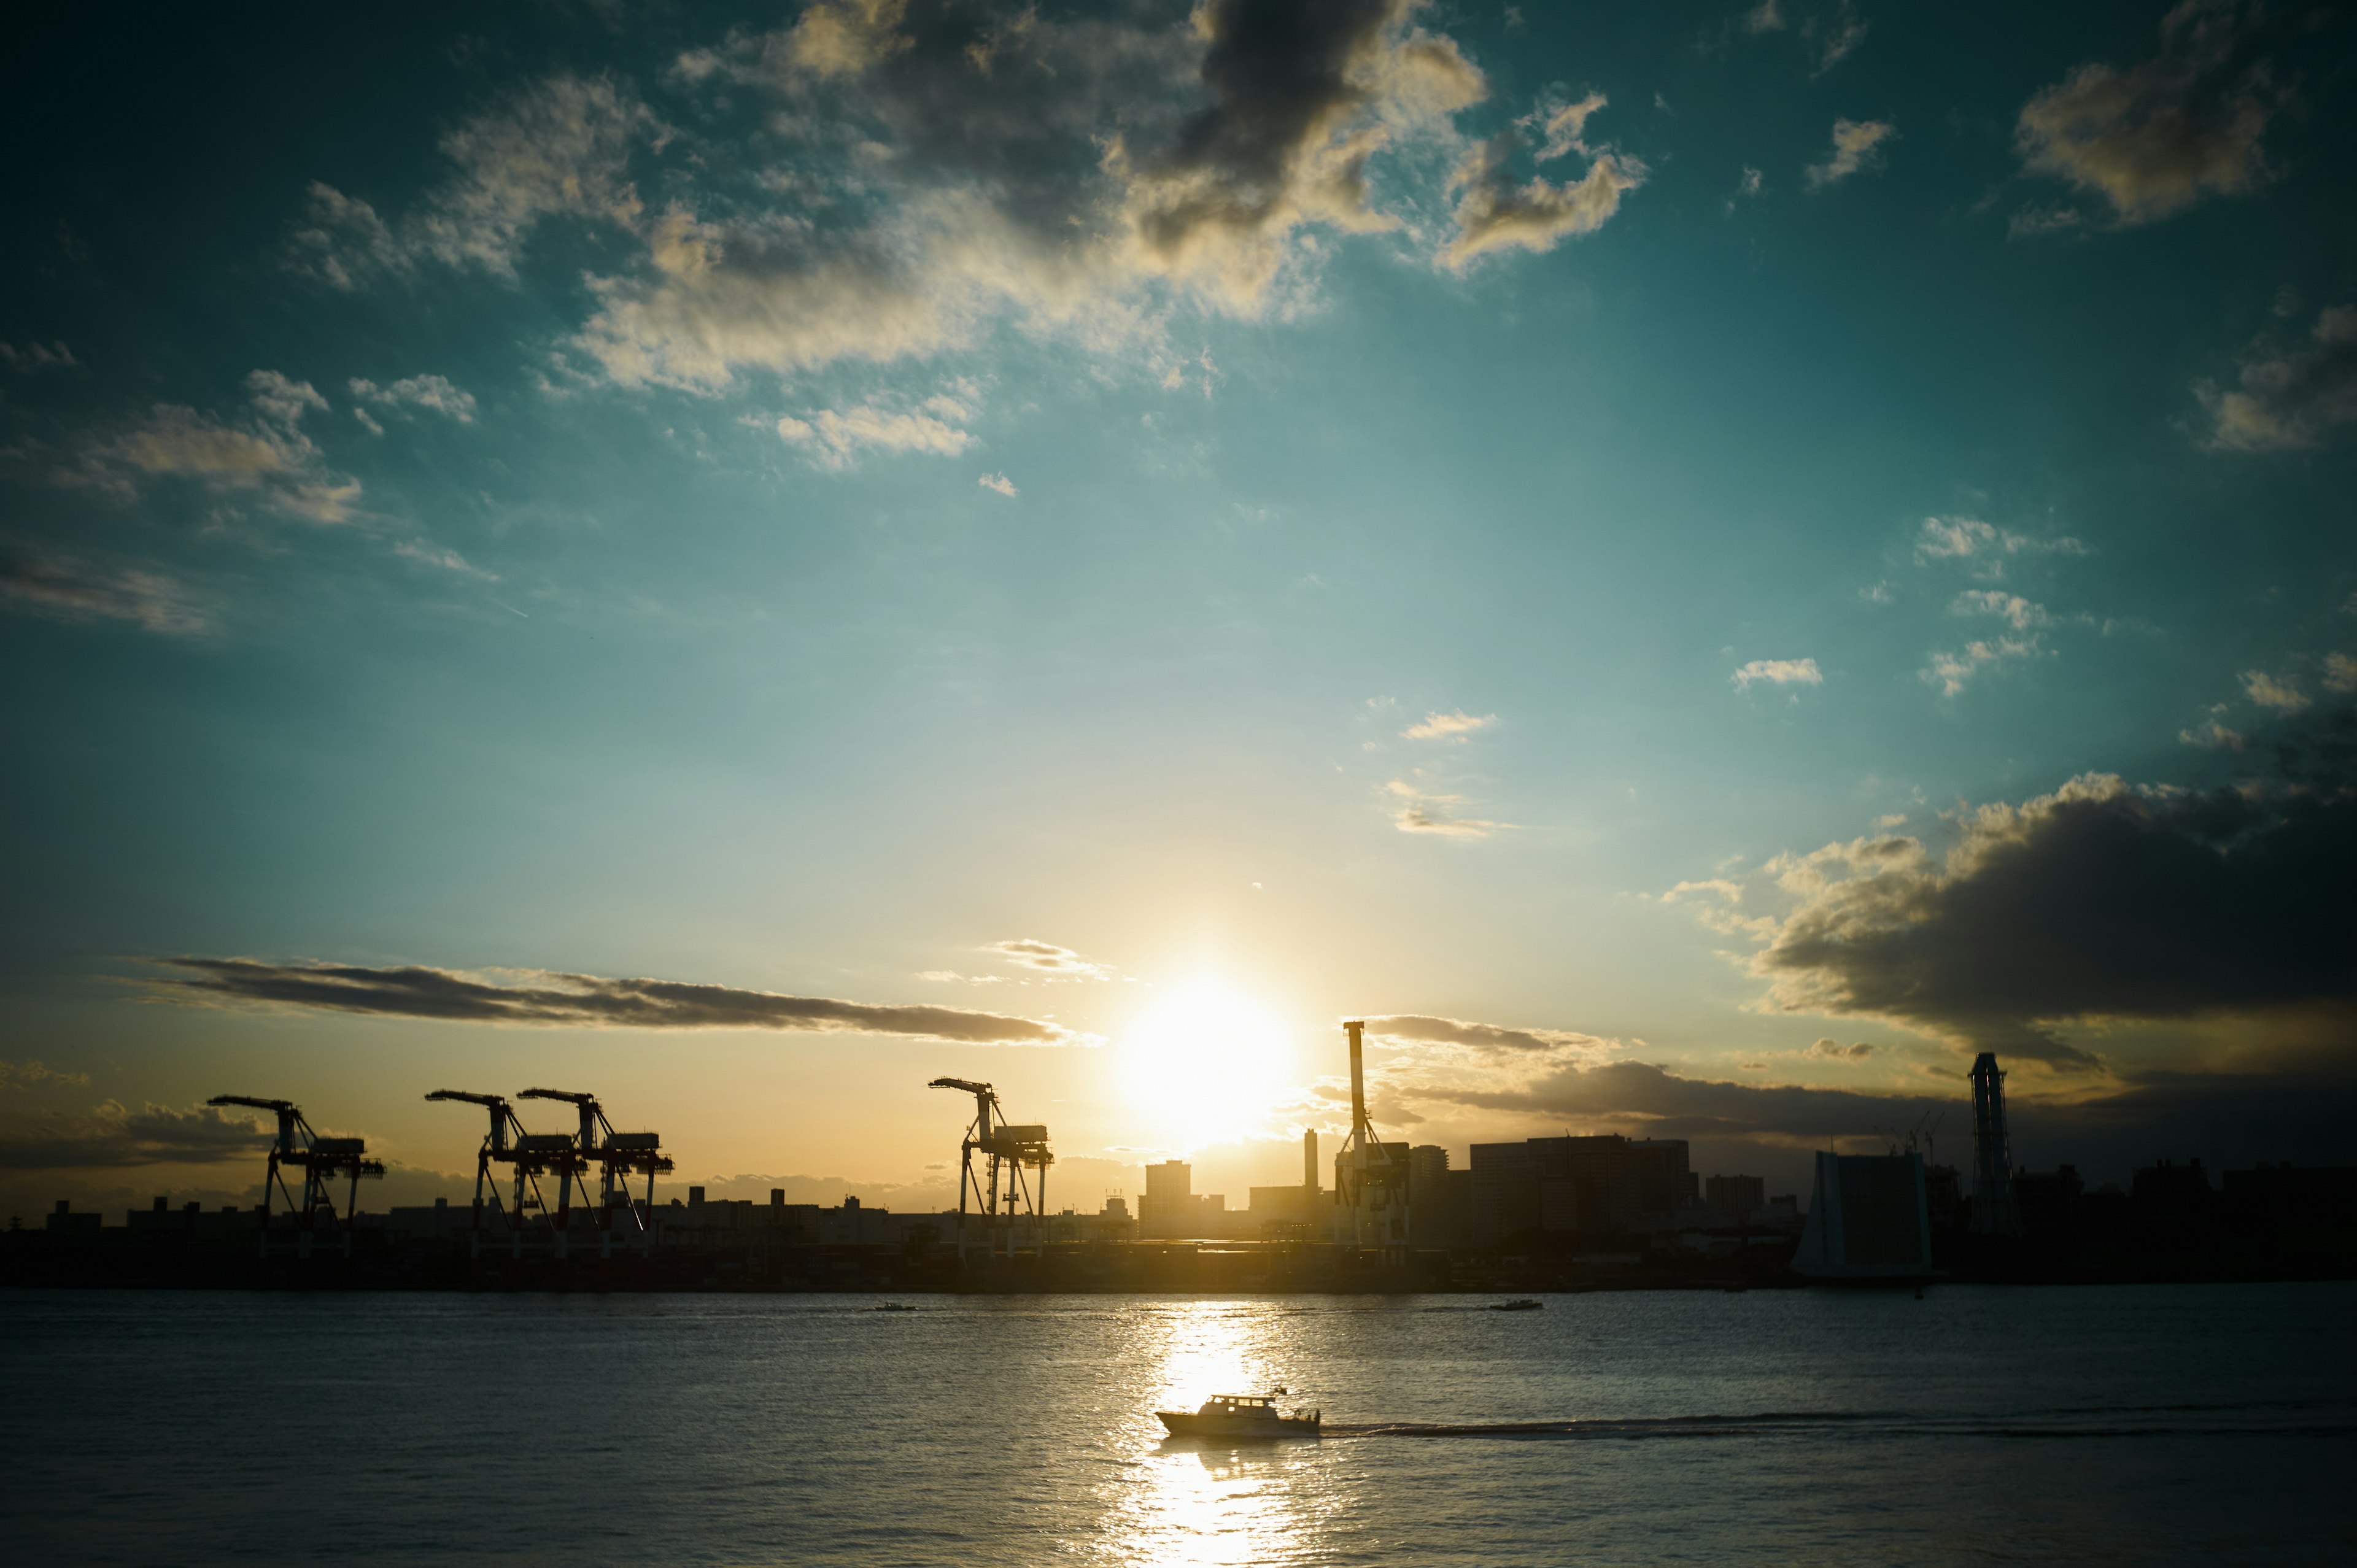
(1603, 541)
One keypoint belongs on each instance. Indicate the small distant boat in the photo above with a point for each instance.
(1241, 1416)
(1520, 1304)
(891, 1307)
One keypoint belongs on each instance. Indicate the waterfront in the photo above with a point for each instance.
(2132, 1425)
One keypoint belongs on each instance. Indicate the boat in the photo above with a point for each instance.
(1241, 1416)
(891, 1307)
(1521, 1303)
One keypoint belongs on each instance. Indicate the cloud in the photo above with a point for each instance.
(2160, 136)
(2212, 735)
(25, 1074)
(1495, 212)
(2015, 610)
(426, 554)
(1765, 17)
(1489, 1039)
(2228, 1117)
(2289, 400)
(559, 147)
(62, 587)
(1419, 810)
(1001, 483)
(2097, 902)
(35, 357)
(1780, 672)
(433, 393)
(2340, 672)
(1719, 886)
(551, 997)
(2271, 693)
(1746, 188)
(1029, 952)
(1456, 725)
(1968, 539)
(110, 1134)
(836, 438)
(1857, 145)
(1833, 38)
(1951, 672)
(1831, 1050)
(265, 453)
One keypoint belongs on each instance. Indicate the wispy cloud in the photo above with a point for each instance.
(2273, 691)
(2340, 672)
(1001, 483)
(1985, 545)
(1416, 809)
(25, 1074)
(264, 453)
(1488, 1038)
(836, 438)
(64, 587)
(2288, 398)
(33, 357)
(1455, 726)
(555, 998)
(1831, 1050)
(2015, 610)
(1857, 145)
(1496, 209)
(110, 1134)
(1951, 672)
(1049, 958)
(433, 393)
(1779, 672)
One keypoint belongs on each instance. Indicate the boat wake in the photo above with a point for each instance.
(2321, 1420)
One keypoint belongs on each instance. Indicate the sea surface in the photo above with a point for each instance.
(2209, 1425)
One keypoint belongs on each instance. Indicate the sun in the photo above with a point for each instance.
(1202, 1063)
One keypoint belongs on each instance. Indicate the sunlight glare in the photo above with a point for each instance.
(1203, 1063)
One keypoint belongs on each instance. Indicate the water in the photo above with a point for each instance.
(2133, 1425)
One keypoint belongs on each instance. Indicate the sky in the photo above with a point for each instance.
(1695, 564)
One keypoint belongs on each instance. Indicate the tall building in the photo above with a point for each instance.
(1606, 1182)
(1867, 1219)
(1994, 1212)
(1436, 1199)
(1167, 1206)
(1736, 1196)
(1309, 1165)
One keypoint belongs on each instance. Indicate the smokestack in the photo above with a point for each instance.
(1309, 1161)
(1357, 1079)
(1993, 1209)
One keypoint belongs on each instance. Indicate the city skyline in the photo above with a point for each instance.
(1696, 570)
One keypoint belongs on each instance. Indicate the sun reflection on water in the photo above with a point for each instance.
(1199, 1501)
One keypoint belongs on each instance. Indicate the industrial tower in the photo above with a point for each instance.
(321, 1159)
(1370, 1180)
(1994, 1211)
(1006, 1151)
(501, 1145)
(617, 1156)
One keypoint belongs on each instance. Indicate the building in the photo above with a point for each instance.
(1603, 1183)
(1867, 1219)
(1993, 1210)
(1440, 1200)
(1736, 1197)
(1168, 1204)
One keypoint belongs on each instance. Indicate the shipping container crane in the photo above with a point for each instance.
(617, 1156)
(1000, 1190)
(504, 1145)
(321, 1160)
(1370, 1180)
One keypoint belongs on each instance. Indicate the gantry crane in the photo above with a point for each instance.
(1007, 1150)
(1370, 1178)
(320, 1160)
(504, 1145)
(617, 1156)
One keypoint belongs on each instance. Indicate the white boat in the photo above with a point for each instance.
(1241, 1416)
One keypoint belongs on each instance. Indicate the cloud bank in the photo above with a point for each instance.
(580, 1001)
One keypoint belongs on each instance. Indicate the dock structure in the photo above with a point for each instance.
(322, 1161)
(503, 1145)
(1370, 1176)
(998, 1187)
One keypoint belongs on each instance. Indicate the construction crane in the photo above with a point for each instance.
(321, 1160)
(501, 1145)
(617, 1156)
(1000, 1190)
(1369, 1177)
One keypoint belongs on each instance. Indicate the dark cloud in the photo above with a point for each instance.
(2290, 397)
(2156, 137)
(2226, 1118)
(109, 1136)
(2099, 901)
(1835, 1051)
(1030, 952)
(581, 1001)
(1480, 1037)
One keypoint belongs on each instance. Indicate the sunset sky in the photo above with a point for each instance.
(1695, 564)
